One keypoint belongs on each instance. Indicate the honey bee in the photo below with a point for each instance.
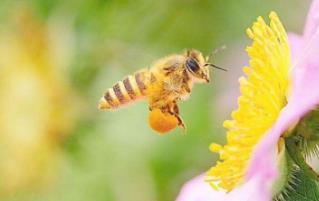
(163, 85)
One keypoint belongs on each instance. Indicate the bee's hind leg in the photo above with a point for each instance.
(174, 110)
(180, 122)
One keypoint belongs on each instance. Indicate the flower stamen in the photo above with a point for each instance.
(264, 94)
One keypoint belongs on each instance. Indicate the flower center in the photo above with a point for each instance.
(264, 94)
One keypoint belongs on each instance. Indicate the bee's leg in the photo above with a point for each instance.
(175, 111)
(171, 108)
(180, 122)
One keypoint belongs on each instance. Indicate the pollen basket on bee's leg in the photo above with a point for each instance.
(162, 122)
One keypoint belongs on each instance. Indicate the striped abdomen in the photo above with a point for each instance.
(132, 88)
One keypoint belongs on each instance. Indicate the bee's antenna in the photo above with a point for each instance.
(217, 50)
(212, 65)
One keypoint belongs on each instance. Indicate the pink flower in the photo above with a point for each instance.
(261, 171)
(305, 89)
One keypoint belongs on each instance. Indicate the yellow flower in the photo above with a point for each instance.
(264, 94)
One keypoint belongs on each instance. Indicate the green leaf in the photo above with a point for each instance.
(303, 182)
(303, 189)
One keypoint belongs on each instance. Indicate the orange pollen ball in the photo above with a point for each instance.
(162, 122)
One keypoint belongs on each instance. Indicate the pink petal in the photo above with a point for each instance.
(305, 96)
(312, 20)
(199, 190)
(295, 44)
(252, 190)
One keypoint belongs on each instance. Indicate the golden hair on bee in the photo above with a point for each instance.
(168, 81)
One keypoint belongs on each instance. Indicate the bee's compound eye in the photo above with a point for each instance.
(192, 65)
(162, 122)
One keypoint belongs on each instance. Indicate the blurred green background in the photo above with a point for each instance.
(57, 59)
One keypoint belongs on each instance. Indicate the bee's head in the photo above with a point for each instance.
(196, 66)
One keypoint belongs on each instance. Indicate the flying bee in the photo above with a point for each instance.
(163, 85)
